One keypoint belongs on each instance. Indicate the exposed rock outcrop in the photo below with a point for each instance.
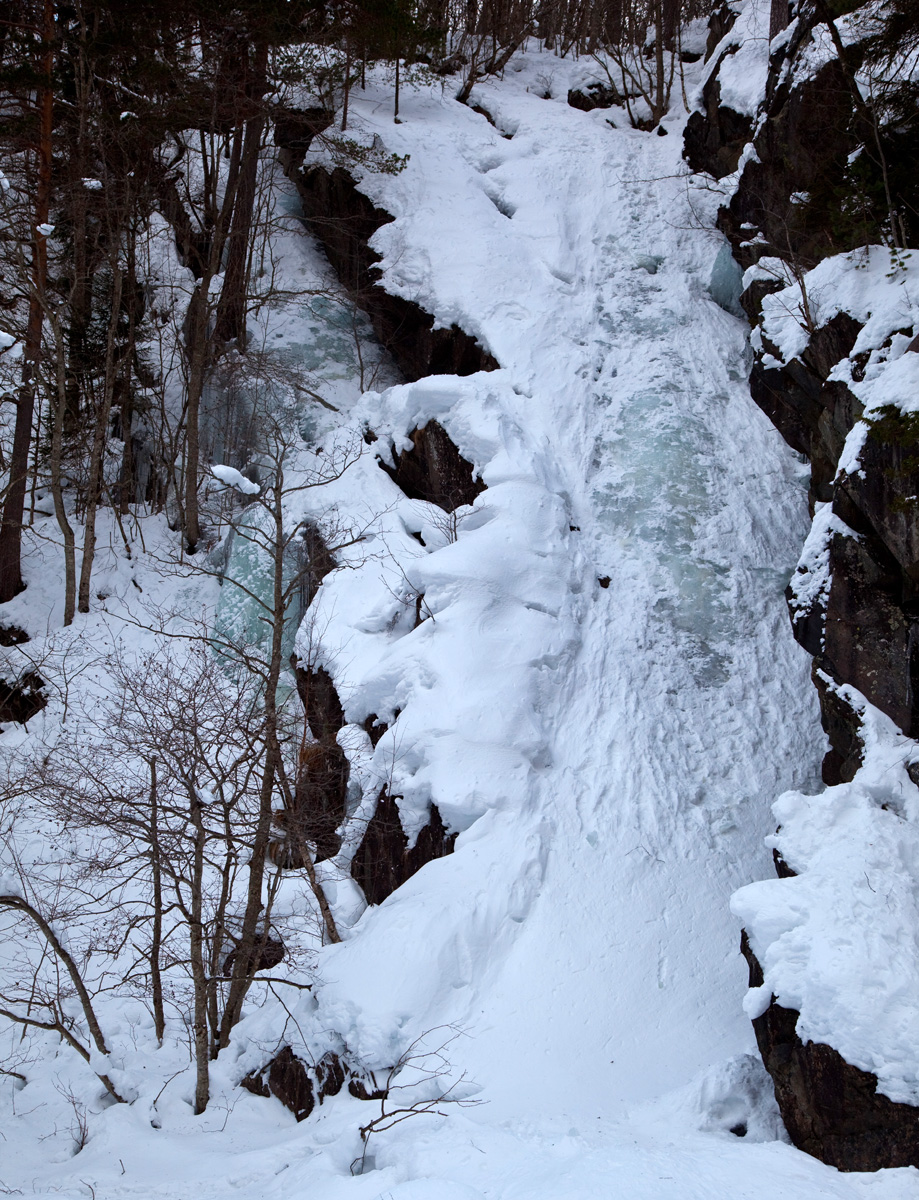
(294, 131)
(270, 954)
(384, 861)
(301, 1086)
(854, 602)
(22, 698)
(830, 1108)
(714, 139)
(594, 95)
(813, 415)
(344, 220)
(321, 788)
(434, 470)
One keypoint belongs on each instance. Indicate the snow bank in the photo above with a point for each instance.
(840, 941)
(880, 289)
(741, 59)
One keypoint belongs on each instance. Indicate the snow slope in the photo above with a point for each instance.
(610, 753)
(666, 708)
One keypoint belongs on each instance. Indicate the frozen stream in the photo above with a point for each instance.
(604, 698)
(656, 717)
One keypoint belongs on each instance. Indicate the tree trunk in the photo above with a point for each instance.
(156, 978)
(197, 955)
(58, 416)
(100, 437)
(11, 527)
(778, 18)
(231, 311)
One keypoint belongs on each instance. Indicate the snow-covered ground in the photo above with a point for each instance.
(610, 751)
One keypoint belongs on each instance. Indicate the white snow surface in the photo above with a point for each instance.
(741, 59)
(608, 751)
(838, 942)
(619, 743)
(235, 479)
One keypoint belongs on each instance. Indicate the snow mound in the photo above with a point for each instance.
(839, 942)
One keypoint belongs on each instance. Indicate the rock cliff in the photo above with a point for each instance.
(818, 336)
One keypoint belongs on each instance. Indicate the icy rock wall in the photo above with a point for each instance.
(833, 335)
(344, 220)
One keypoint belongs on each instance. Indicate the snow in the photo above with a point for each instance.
(608, 755)
(877, 286)
(839, 941)
(741, 60)
(235, 479)
(810, 584)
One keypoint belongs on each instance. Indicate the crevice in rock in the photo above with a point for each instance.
(383, 861)
(434, 470)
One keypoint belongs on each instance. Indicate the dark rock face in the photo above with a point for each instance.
(319, 562)
(270, 954)
(886, 486)
(344, 220)
(298, 1085)
(830, 1108)
(720, 23)
(859, 621)
(813, 415)
(324, 712)
(595, 95)
(867, 636)
(383, 861)
(842, 728)
(434, 470)
(22, 698)
(713, 140)
(321, 786)
(302, 1086)
(294, 130)
(808, 136)
(787, 203)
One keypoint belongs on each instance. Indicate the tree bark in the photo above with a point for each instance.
(156, 978)
(11, 582)
(100, 436)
